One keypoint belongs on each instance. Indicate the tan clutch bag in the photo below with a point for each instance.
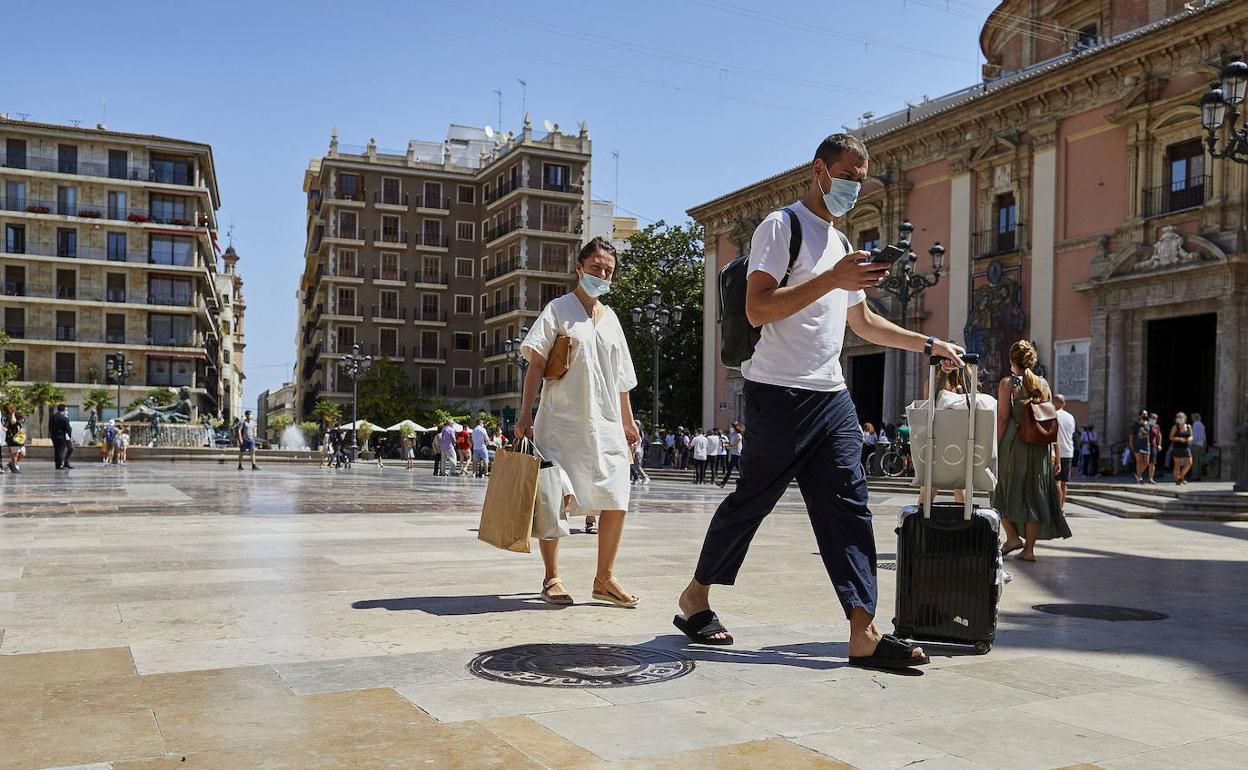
(557, 360)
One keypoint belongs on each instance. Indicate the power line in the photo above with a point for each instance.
(768, 17)
(1042, 30)
(684, 58)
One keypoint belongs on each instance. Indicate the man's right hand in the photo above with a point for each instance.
(524, 428)
(852, 274)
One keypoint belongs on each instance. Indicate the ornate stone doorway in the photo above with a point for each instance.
(1181, 366)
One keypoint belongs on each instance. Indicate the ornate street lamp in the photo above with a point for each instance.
(905, 284)
(516, 358)
(355, 366)
(121, 369)
(1221, 106)
(659, 321)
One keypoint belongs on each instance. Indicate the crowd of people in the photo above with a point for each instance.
(711, 454)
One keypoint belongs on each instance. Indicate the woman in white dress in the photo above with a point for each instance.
(585, 420)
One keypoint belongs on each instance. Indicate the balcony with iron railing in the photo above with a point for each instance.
(390, 313)
(560, 225)
(438, 203)
(390, 237)
(512, 185)
(428, 353)
(502, 228)
(386, 274)
(990, 243)
(491, 350)
(15, 331)
(500, 387)
(346, 232)
(1179, 195)
(510, 305)
(347, 309)
(60, 333)
(358, 196)
(387, 351)
(430, 278)
(391, 199)
(434, 240)
(428, 315)
(94, 253)
(502, 268)
(502, 189)
(103, 211)
(160, 175)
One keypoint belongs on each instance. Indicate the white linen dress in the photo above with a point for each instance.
(578, 418)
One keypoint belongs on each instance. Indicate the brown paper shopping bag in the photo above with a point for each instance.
(507, 515)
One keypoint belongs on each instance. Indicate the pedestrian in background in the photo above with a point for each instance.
(1180, 447)
(14, 436)
(1065, 446)
(446, 448)
(109, 439)
(245, 432)
(869, 437)
(1154, 446)
(736, 437)
(61, 433)
(1089, 451)
(123, 445)
(698, 449)
(480, 453)
(1138, 441)
(1200, 444)
(1026, 495)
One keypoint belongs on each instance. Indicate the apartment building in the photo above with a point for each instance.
(108, 250)
(435, 256)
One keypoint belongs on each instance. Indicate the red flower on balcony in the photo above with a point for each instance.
(89, 214)
(36, 209)
(137, 217)
(183, 222)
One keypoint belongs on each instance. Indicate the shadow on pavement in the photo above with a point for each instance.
(458, 605)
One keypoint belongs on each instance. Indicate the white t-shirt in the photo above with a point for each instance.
(699, 447)
(803, 350)
(1065, 433)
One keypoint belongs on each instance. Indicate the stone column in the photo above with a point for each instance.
(892, 359)
(1229, 394)
(1116, 380)
(1043, 229)
(710, 343)
(959, 254)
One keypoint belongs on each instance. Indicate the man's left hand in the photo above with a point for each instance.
(951, 354)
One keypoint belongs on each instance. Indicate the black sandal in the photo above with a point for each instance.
(700, 627)
(890, 654)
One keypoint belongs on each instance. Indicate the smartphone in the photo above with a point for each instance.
(887, 256)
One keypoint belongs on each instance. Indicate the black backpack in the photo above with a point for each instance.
(737, 337)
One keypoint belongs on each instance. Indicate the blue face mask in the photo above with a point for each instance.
(841, 196)
(594, 286)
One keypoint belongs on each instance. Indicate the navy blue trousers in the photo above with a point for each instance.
(813, 437)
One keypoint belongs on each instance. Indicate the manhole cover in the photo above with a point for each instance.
(1099, 612)
(891, 565)
(579, 665)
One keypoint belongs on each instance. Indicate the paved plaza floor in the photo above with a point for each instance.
(187, 615)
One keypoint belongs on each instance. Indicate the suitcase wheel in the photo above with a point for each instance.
(983, 648)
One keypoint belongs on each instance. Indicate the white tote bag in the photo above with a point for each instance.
(950, 427)
(554, 495)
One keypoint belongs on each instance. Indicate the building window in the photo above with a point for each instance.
(433, 270)
(116, 287)
(389, 304)
(117, 205)
(389, 266)
(345, 263)
(555, 257)
(433, 194)
(1006, 228)
(115, 328)
(391, 191)
(467, 193)
(169, 372)
(390, 229)
(388, 342)
(349, 187)
(463, 341)
(66, 365)
(869, 239)
(15, 280)
(465, 231)
(66, 242)
(14, 196)
(551, 291)
(66, 325)
(66, 284)
(555, 176)
(18, 359)
(344, 339)
(1185, 176)
(481, 342)
(463, 268)
(67, 201)
(117, 247)
(118, 164)
(345, 301)
(168, 209)
(171, 170)
(429, 345)
(347, 228)
(166, 329)
(555, 217)
(15, 153)
(462, 378)
(428, 379)
(67, 158)
(171, 250)
(15, 239)
(432, 229)
(1087, 36)
(15, 322)
(463, 304)
(430, 307)
(165, 290)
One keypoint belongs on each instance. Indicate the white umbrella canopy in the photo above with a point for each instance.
(415, 426)
(376, 428)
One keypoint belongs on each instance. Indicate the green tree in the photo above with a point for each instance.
(98, 399)
(311, 432)
(668, 258)
(279, 423)
(8, 371)
(160, 396)
(386, 394)
(327, 411)
(40, 395)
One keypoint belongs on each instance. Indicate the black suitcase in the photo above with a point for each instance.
(949, 567)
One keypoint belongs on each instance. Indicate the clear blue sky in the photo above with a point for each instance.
(699, 96)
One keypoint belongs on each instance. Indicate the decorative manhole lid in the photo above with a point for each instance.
(1099, 612)
(579, 665)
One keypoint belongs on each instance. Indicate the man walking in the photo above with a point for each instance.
(698, 447)
(1199, 445)
(1154, 446)
(62, 438)
(799, 418)
(245, 432)
(1065, 447)
(1139, 439)
(734, 452)
(446, 447)
(480, 454)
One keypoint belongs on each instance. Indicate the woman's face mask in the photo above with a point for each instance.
(593, 285)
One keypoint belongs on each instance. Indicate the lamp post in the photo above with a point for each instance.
(355, 366)
(659, 321)
(1221, 106)
(517, 359)
(121, 369)
(905, 284)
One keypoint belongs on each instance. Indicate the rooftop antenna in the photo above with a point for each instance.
(76, 123)
(22, 115)
(524, 95)
(229, 235)
(103, 111)
(499, 92)
(616, 205)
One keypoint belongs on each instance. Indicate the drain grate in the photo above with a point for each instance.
(579, 665)
(1100, 612)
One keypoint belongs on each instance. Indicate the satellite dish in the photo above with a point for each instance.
(489, 132)
(548, 125)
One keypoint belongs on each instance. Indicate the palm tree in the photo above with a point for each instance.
(327, 412)
(40, 395)
(98, 399)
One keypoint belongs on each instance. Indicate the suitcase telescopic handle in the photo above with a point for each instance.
(967, 358)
